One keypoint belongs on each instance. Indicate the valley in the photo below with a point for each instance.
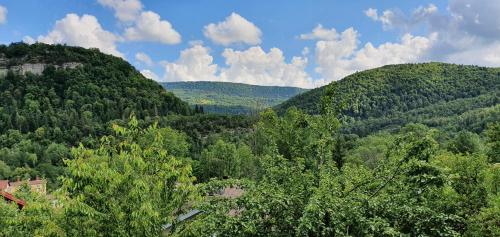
(408, 149)
(231, 98)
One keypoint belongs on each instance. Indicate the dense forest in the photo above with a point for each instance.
(231, 98)
(41, 115)
(434, 94)
(403, 150)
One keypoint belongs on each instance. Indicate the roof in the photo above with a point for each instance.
(233, 192)
(30, 182)
(9, 197)
(184, 217)
(4, 184)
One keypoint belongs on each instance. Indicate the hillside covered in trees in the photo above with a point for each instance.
(124, 157)
(442, 95)
(43, 113)
(231, 98)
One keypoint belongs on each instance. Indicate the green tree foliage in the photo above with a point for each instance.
(301, 174)
(436, 94)
(465, 143)
(126, 187)
(231, 98)
(493, 135)
(224, 160)
(370, 150)
(406, 186)
(39, 218)
(204, 129)
(298, 135)
(63, 107)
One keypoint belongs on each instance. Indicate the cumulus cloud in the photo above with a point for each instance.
(194, 64)
(252, 66)
(125, 10)
(338, 55)
(149, 74)
(3, 14)
(320, 33)
(84, 31)
(476, 17)
(234, 29)
(255, 66)
(395, 18)
(144, 58)
(142, 25)
(469, 33)
(149, 27)
(335, 63)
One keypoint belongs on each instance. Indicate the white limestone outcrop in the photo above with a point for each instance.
(34, 68)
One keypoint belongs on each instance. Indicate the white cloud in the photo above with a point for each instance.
(194, 64)
(28, 39)
(234, 29)
(149, 27)
(142, 25)
(394, 18)
(372, 13)
(3, 14)
(476, 17)
(255, 66)
(340, 57)
(469, 33)
(320, 33)
(149, 74)
(125, 10)
(84, 31)
(305, 51)
(144, 58)
(252, 66)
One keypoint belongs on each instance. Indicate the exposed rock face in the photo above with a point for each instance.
(34, 68)
(3, 66)
(70, 65)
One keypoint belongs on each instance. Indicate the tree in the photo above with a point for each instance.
(405, 194)
(220, 160)
(493, 134)
(126, 188)
(40, 217)
(465, 143)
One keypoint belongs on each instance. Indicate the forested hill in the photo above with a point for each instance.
(70, 92)
(436, 94)
(231, 98)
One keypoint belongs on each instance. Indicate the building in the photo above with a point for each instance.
(37, 185)
(10, 198)
(227, 192)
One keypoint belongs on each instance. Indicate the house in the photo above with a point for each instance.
(38, 185)
(10, 198)
(227, 192)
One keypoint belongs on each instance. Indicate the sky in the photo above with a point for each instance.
(303, 43)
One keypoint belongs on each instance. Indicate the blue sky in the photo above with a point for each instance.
(303, 43)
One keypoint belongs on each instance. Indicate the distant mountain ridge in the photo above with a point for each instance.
(231, 98)
(436, 94)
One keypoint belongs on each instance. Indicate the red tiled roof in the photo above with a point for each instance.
(4, 184)
(9, 197)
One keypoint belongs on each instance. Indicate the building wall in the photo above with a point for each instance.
(39, 186)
